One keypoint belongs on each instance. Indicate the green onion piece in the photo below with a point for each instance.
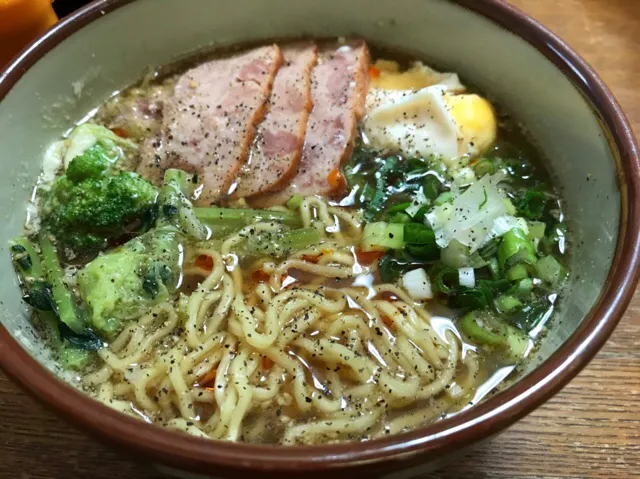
(446, 197)
(244, 216)
(424, 252)
(416, 233)
(536, 229)
(398, 208)
(400, 218)
(431, 187)
(484, 167)
(455, 254)
(550, 270)
(515, 248)
(507, 304)
(65, 305)
(477, 330)
(494, 268)
(295, 201)
(531, 204)
(391, 268)
(367, 193)
(74, 358)
(523, 288)
(420, 214)
(490, 249)
(517, 272)
(381, 235)
(511, 210)
(446, 280)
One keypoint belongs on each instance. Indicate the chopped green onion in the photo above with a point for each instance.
(446, 197)
(416, 233)
(550, 270)
(381, 235)
(431, 187)
(507, 304)
(490, 249)
(517, 272)
(531, 204)
(484, 167)
(494, 268)
(295, 201)
(472, 325)
(390, 268)
(398, 208)
(536, 229)
(515, 248)
(400, 218)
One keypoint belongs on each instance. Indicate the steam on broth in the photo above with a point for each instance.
(293, 244)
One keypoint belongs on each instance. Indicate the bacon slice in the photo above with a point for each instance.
(338, 90)
(210, 121)
(276, 152)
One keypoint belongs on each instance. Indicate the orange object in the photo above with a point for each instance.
(207, 379)
(267, 363)
(336, 180)
(369, 257)
(260, 276)
(374, 72)
(204, 262)
(21, 21)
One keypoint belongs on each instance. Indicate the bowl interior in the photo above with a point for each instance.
(113, 51)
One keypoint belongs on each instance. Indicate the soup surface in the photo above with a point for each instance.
(293, 244)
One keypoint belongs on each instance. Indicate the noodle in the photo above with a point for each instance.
(303, 362)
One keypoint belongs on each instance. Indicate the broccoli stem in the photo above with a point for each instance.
(175, 207)
(62, 297)
(234, 217)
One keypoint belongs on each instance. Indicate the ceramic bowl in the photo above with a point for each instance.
(568, 112)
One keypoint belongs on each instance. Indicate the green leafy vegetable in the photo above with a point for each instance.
(531, 204)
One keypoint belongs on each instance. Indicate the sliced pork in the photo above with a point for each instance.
(338, 90)
(277, 149)
(210, 121)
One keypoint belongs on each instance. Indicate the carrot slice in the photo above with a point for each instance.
(260, 276)
(208, 378)
(374, 72)
(267, 363)
(388, 296)
(336, 180)
(368, 257)
(121, 132)
(204, 262)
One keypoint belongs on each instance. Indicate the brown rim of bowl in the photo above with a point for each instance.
(435, 439)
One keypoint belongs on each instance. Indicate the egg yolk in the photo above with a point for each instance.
(476, 121)
(390, 77)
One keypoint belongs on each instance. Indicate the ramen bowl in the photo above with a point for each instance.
(562, 104)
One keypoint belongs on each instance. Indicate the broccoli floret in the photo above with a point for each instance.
(93, 203)
(93, 163)
(122, 284)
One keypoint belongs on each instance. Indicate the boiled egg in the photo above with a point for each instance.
(386, 75)
(430, 121)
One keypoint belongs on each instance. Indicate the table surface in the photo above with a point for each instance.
(591, 429)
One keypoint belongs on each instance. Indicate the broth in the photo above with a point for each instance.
(403, 290)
